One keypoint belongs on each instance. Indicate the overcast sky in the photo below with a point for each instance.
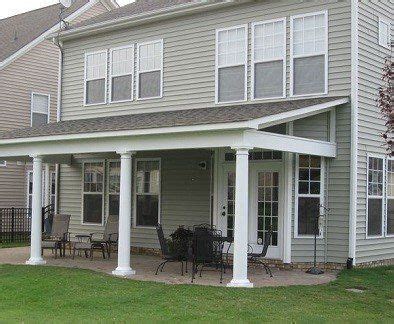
(14, 7)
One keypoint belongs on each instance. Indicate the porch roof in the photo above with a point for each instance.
(239, 116)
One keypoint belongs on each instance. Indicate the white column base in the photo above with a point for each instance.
(36, 261)
(240, 283)
(123, 272)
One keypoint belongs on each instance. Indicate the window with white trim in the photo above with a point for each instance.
(384, 33)
(231, 64)
(39, 109)
(113, 188)
(95, 78)
(269, 59)
(93, 191)
(121, 74)
(309, 52)
(375, 196)
(147, 199)
(150, 69)
(308, 193)
(390, 198)
(52, 191)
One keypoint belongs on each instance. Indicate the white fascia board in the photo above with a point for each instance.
(287, 143)
(45, 35)
(296, 114)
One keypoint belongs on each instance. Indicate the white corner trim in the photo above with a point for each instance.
(354, 132)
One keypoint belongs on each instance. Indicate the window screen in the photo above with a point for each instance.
(309, 54)
(150, 69)
(39, 109)
(95, 77)
(375, 196)
(93, 188)
(269, 54)
(231, 64)
(122, 62)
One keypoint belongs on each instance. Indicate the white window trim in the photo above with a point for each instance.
(107, 193)
(297, 195)
(253, 61)
(382, 157)
(117, 75)
(292, 56)
(245, 26)
(161, 41)
(382, 20)
(386, 199)
(31, 105)
(105, 78)
(3, 164)
(83, 193)
(135, 193)
(52, 175)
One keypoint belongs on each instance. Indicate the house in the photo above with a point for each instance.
(248, 115)
(29, 78)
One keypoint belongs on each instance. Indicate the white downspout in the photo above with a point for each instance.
(354, 132)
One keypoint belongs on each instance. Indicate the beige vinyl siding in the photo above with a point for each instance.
(371, 125)
(185, 194)
(189, 55)
(95, 10)
(12, 195)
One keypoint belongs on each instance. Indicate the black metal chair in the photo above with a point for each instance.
(257, 258)
(165, 251)
(207, 250)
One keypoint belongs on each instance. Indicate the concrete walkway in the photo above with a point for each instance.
(145, 267)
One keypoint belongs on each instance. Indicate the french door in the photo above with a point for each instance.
(265, 205)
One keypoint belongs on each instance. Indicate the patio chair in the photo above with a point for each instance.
(207, 250)
(257, 258)
(86, 245)
(165, 252)
(59, 235)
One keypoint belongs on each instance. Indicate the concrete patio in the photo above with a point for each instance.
(145, 266)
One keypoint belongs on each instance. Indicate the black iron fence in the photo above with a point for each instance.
(15, 224)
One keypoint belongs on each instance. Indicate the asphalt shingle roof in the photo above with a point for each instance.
(188, 117)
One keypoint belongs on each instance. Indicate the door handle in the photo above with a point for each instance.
(224, 211)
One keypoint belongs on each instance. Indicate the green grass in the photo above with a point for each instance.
(11, 245)
(38, 294)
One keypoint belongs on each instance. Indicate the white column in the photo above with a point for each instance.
(240, 262)
(47, 190)
(288, 201)
(124, 268)
(36, 230)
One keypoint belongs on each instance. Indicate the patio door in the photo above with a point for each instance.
(265, 205)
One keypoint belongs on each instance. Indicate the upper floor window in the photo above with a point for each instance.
(231, 64)
(39, 109)
(309, 54)
(384, 33)
(269, 59)
(95, 77)
(121, 74)
(150, 70)
(375, 196)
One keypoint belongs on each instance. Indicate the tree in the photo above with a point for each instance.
(385, 104)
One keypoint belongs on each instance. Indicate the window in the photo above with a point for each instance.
(29, 190)
(150, 70)
(256, 155)
(39, 109)
(147, 193)
(95, 78)
(269, 59)
(231, 60)
(308, 50)
(113, 187)
(121, 74)
(308, 193)
(384, 33)
(390, 198)
(375, 196)
(52, 190)
(93, 178)
(3, 163)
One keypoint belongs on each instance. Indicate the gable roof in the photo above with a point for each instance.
(240, 115)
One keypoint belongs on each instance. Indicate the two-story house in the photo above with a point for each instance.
(247, 115)
(29, 80)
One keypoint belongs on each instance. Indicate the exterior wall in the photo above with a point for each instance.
(189, 55)
(185, 195)
(95, 10)
(371, 60)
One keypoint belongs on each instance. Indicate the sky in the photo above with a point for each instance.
(14, 7)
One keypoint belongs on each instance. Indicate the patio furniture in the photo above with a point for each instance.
(166, 254)
(110, 236)
(86, 245)
(257, 258)
(207, 250)
(59, 235)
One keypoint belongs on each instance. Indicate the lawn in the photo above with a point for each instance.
(38, 294)
(11, 245)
